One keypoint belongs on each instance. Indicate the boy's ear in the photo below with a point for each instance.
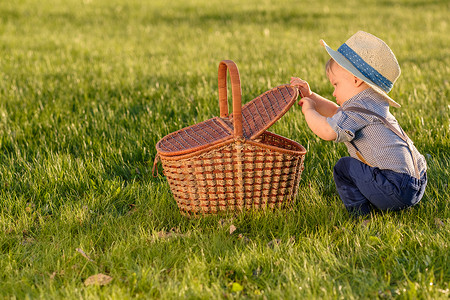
(357, 82)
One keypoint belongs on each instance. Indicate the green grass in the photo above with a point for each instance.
(88, 87)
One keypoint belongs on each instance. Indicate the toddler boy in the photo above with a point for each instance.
(384, 170)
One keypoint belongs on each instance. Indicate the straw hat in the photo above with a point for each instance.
(371, 60)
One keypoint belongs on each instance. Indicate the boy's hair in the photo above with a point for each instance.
(331, 63)
(329, 66)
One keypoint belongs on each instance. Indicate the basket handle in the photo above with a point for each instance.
(236, 94)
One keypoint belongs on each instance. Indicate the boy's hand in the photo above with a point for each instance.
(302, 86)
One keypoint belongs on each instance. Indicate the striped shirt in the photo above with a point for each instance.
(379, 146)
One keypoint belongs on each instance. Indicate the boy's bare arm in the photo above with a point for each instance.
(316, 121)
(324, 106)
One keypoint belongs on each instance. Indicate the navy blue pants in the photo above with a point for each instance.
(362, 187)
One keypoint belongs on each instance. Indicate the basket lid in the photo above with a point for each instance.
(262, 112)
(195, 137)
(246, 122)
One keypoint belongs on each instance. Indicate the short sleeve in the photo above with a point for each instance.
(346, 124)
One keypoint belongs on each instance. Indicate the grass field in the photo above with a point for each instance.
(88, 87)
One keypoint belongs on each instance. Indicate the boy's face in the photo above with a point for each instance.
(343, 83)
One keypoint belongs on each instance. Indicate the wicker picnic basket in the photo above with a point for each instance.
(231, 163)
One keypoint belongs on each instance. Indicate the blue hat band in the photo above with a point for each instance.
(368, 71)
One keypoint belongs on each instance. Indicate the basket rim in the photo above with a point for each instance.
(219, 144)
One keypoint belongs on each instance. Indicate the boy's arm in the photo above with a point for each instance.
(324, 106)
(316, 121)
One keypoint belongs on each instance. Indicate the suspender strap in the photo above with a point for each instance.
(386, 123)
(358, 153)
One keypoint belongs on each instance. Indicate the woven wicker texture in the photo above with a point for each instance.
(195, 137)
(231, 163)
(263, 111)
(254, 118)
(237, 176)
